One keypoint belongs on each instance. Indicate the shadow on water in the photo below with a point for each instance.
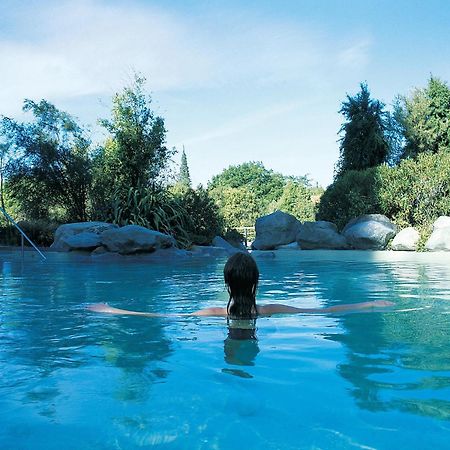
(240, 347)
(395, 360)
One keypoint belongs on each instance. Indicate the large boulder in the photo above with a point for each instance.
(406, 240)
(275, 229)
(369, 232)
(80, 236)
(440, 237)
(320, 234)
(135, 239)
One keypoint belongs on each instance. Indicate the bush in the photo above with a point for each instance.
(41, 232)
(417, 191)
(351, 195)
(203, 221)
(414, 193)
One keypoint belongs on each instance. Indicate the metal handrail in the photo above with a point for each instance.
(23, 234)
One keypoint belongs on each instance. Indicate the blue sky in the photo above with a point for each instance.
(234, 80)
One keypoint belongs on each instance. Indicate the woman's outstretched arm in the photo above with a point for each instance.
(275, 308)
(265, 310)
(105, 308)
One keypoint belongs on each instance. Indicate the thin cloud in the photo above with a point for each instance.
(88, 47)
(356, 55)
(242, 123)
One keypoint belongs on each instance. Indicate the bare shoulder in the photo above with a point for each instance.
(214, 311)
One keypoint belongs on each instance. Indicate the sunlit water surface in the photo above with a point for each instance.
(73, 379)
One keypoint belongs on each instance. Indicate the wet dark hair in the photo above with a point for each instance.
(241, 276)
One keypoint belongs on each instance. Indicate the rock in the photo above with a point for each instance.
(406, 240)
(441, 222)
(80, 236)
(440, 237)
(100, 250)
(320, 234)
(275, 229)
(135, 239)
(82, 241)
(369, 232)
(207, 250)
(291, 246)
(222, 243)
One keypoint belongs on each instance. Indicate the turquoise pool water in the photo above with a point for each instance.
(72, 379)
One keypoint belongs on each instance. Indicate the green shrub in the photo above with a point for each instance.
(414, 193)
(351, 195)
(41, 232)
(158, 210)
(202, 221)
(417, 191)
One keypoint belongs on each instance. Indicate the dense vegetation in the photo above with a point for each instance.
(411, 183)
(395, 163)
(249, 190)
(51, 173)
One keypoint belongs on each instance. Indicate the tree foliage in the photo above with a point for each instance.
(265, 184)
(297, 200)
(203, 221)
(50, 172)
(184, 178)
(363, 143)
(239, 206)
(426, 119)
(249, 190)
(413, 193)
(135, 154)
(134, 157)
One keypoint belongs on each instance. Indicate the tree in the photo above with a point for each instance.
(296, 200)
(426, 119)
(238, 206)
(184, 177)
(4, 154)
(363, 144)
(51, 168)
(135, 155)
(265, 184)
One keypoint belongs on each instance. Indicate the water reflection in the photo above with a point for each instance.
(44, 331)
(240, 347)
(398, 360)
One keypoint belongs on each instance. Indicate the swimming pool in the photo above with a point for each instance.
(73, 379)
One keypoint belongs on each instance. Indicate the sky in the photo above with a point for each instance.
(235, 81)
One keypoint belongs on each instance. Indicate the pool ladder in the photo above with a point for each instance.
(22, 234)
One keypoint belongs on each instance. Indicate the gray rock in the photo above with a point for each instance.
(80, 235)
(406, 240)
(441, 222)
(99, 251)
(369, 232)
(135, 239)
(275, 229)
(291, 246)
(222, 243)
(320, 234)
(440, 237)
(207, 250)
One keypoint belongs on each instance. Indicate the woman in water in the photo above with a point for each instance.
(241, 277)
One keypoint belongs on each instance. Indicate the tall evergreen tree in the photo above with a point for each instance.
(364, 143)
(184, 177)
